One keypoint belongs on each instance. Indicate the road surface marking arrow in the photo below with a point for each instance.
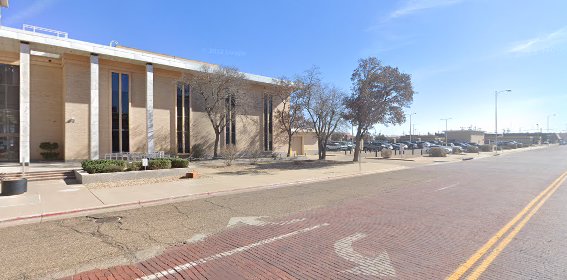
(374, 266)
(253, 221)
(256, 221)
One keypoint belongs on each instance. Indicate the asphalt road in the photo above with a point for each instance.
(495, 218)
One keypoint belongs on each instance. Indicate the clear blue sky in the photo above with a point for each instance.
(457, 51)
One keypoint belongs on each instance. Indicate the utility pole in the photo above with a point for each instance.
(446, 143)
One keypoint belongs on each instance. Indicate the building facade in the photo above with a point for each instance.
(94, 100)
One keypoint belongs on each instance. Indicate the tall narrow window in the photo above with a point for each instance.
(183, 121)
(268, 126)
(230, 127)
(120, 112)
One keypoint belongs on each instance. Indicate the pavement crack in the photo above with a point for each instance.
(105, 238)
(225, 207)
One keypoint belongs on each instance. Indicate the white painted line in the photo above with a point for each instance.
(447, 187)
(196, 238)
(189, 265)
(256, 221)
(374, 266)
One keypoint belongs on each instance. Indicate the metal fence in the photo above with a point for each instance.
(135, 156)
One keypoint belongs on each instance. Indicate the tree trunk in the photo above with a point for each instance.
(357, 141)
(322, 149)
(289, 147)
(217, 140)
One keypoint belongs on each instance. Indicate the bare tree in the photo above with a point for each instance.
(219, 90)
(379, 95)
(289, 115)
(324, 107)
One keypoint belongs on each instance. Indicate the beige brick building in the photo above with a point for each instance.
(94, 100)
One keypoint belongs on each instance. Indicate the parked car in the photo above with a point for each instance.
(397, 146)
(346, 146)
(333, 146)
(410, 145)
(376, 146)
(562, 142)
(423, 144)
(448, 149)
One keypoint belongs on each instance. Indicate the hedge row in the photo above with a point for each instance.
(109, 166)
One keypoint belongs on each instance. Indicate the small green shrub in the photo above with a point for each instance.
(457, 150)
(437, 152)
(472, 149)
(386, 153)
(179, 163)
(159, 163)
(103, 166)
(50, 149)
(198, 151)
(134, 166)
(486, 148)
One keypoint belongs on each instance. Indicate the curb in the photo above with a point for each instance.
(142, 203)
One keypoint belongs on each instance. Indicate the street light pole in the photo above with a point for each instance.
(496, 116)
(410, 125)
(446, 142)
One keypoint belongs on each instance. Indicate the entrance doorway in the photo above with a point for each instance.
(9, 113)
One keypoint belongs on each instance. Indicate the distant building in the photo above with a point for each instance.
(466, 136)
(525, 138)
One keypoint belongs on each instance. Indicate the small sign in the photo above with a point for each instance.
(144, 162)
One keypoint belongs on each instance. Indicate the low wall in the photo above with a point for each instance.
(86, 178)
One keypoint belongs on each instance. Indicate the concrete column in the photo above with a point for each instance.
(150, 107)
(94, 109)
(24, 103)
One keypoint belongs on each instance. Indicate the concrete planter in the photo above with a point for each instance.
(14, 186)
(86, 178)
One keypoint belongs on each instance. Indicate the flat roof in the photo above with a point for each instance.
(117, 52)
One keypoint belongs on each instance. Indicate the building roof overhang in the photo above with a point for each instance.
(10, 38)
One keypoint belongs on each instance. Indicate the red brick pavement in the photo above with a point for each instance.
(425, 231)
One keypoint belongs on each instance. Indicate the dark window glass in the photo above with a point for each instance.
(179, 107)
(3, 94)
(115, 141)
(230, 125)
(13, 97)
(186, 122)
(180, 142)
(9, 112)
(270, 126)
(125, 141)
(3, 69)
(13, 75)
(125, 102)
(115, 112)
(265, 123)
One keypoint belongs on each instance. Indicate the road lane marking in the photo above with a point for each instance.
(447, 187)
(463, 268)
(256, 221)
(490, 258)
(373, 266)
(182, 267)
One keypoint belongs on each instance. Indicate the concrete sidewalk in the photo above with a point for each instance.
(55, 199)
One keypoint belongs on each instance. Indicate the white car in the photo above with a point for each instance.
(447, 149)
